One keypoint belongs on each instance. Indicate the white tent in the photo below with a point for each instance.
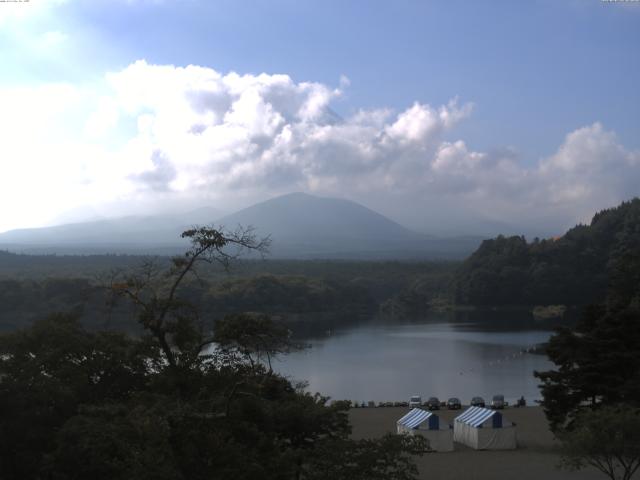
(484, 429)
(427, 424)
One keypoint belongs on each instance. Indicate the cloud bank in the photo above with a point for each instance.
(152, 135)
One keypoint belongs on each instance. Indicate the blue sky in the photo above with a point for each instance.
(536, 82)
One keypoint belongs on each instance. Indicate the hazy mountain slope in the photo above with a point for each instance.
(307, 226)
(302, 216)
(125, 234)
(300, 225)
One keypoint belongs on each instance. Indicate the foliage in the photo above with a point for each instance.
(168, 404)
(607, 439)
(51, 369)
(424, 292)
(572, 270)
(284, 294)
(309, 295)
(173, 322)
(288, 296)
(598, 361)
(254, 336)
(389, 457)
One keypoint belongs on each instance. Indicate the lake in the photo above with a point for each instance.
(443, 355)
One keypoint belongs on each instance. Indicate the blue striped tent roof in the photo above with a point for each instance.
(414, 418)
(475, 416)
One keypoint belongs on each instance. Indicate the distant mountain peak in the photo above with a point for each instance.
(300, 214)
(301, 225)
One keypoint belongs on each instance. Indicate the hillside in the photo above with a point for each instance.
(301, 226)
(575, 269)
(132, 234)
(299, 216)
(306, 226)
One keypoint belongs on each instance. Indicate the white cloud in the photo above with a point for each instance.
(18, 11)
(51, 39)
(158, 134)
(591, 168)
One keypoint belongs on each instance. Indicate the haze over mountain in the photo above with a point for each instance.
(300, 226)
(130, 234)
(298, 216)
(307, 226)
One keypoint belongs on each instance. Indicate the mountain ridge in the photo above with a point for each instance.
(300, 225)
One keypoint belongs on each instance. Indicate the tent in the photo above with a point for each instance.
(427, 424)
(484, 429)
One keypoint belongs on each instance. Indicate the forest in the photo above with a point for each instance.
(573, 269)
(298, 292)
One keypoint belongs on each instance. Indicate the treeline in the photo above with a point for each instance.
(23, 266)
(316, 295)
(380, 277)
(574, 269)
(288, 294)
(24, 301)
(311, 304)
(430, 290)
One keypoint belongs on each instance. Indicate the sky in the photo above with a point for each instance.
(447, 116)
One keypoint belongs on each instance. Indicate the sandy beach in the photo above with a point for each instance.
(535, 458)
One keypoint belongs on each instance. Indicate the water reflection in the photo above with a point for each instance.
(441, 355)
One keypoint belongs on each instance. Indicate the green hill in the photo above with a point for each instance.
(575, 269)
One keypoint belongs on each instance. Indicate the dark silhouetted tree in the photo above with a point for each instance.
(608, 440)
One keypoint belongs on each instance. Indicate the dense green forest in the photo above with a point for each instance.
(310, 295)
(572, 270)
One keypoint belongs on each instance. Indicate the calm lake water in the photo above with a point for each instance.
(439, 356)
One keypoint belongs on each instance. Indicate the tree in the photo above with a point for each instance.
(598, 363)
(174, 323)
(574, 269)
(255, 336)
(47, 372)
(164, 404)
(114, 441)
(607, 439)
(389, 457)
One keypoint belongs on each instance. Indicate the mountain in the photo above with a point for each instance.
(307, 226)
(300, 226)
(131, 234)
(299, 217)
